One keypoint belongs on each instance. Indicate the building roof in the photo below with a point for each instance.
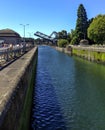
(8, 33)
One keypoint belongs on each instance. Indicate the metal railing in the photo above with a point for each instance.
(8, 54)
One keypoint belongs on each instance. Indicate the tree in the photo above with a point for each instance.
(82, 23)
(69, 37)
(90, 21)
(74, 37)
(74, 40)
(96, 30)
(73, 33)
(62, 34)
(62, 42)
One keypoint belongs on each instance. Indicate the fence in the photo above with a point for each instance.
(7, 54)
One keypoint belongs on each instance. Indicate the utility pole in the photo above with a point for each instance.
(24, 26)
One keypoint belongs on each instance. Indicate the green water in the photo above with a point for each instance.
(78, 88)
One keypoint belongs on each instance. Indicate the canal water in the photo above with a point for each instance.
(69, 93)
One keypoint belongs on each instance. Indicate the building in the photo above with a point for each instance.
(9, 36)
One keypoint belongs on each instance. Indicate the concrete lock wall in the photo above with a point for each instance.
(90, 53)
(16, 86)
(94, 54)
(65, 50)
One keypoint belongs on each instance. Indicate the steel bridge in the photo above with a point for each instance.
(48, 37)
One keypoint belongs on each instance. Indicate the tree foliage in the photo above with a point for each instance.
(62, 42)
(96, 30)
(82, 23)
(62, 34)
(74, 40)
(90, 21)
(69, 37)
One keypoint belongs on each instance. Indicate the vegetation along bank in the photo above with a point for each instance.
(87, 40)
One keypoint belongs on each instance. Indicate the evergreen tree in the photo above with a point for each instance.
(82, 23)
(90, 21)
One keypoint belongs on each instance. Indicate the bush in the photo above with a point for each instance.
(62, 42)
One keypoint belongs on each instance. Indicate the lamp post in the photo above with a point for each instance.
(24, 26)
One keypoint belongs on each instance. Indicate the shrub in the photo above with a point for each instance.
(62, 42)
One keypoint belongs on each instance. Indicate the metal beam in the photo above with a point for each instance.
(47, 37)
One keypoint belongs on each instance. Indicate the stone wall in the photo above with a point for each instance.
(16, 85)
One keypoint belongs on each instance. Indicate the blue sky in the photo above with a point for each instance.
(45, 15)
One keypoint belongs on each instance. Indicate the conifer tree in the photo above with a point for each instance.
(82, 23)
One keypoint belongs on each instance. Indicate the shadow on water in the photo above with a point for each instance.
(46, 112)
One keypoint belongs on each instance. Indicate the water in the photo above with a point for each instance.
(69, 93)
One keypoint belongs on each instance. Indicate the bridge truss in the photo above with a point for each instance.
(48, 37)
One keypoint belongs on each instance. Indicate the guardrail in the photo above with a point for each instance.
(8, 55)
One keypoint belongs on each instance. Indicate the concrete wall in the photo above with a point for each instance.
(95, 54)
(90, 53)
(16, 85)
(65, 50)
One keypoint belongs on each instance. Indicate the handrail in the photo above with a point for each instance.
(8, 54)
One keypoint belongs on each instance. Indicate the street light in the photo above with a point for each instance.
(24, 25)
